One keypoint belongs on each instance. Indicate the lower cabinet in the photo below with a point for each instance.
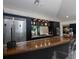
(64, 51)
(39, 54)
(61, 52)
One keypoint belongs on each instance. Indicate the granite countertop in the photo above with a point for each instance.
(26, 46)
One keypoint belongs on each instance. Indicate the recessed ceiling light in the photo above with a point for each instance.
(36, 2)
(67, 16)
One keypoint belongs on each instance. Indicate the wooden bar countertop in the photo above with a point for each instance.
(26, 46)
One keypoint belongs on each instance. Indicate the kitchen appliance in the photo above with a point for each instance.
(14, 30)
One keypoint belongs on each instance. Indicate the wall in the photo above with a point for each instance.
(40, 16)
(30, 14)
(65, 22)
(69, 22)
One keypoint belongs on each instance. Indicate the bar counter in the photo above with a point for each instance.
(33, 45)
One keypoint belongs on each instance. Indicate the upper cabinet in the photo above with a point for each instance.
(39, 22)
(39, 27)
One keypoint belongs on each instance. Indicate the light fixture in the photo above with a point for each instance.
(36, 2)
(67, 16)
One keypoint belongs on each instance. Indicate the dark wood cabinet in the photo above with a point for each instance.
(73, 26)
(54, 28)
(39, 22)
(28, 28)
(46, 53)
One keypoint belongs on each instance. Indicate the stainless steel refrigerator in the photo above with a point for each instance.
(18, 26)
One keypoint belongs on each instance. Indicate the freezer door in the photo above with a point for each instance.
(19, 32)
(7, 30)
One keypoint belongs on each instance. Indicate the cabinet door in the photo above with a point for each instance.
(51, 28)
(7, 24)
(73, 26)
(19, 28)
(56, 27)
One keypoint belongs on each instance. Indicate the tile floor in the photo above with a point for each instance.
(71, 55)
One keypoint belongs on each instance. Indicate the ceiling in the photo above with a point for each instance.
(53, 8)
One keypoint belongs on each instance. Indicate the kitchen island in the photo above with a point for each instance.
(36, 49)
